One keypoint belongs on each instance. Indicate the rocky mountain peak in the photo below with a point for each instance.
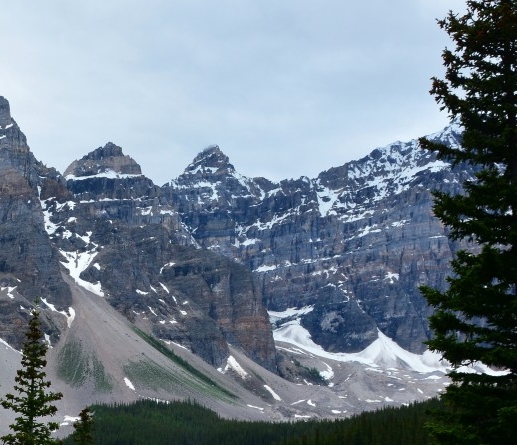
(210, 160)
(5, 112)
(102, 161)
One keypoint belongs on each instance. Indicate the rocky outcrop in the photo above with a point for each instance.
(104, 161)
(27, 259)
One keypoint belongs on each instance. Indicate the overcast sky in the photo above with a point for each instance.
(286, 88)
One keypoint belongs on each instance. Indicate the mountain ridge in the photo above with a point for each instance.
(294, 233)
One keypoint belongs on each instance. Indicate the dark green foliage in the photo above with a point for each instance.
(476, 318)
(182, 423)
(314, 376)
(83, 434)
(33, 400)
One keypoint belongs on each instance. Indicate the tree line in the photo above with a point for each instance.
(188, 423)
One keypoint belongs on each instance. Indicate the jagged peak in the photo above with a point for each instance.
(451, 135)
(210, 160)
(110, 150)
(107, 161)
(395, 160)
(5, 112)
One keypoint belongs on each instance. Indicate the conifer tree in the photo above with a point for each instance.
(32, 400)
(475, 320)
(83, 434)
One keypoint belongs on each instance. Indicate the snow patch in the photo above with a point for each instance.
(256, 407)
(392, 277)
(129, 384)
(166, 266)
(274, 316)
(399, 223)
(299, 401)
(70, 316)
(232, 364)
(326, 199)
(264, 268)
(328, 374)
(9, 291)
(273, 393)
(77, 262)
(381, 354)
(109, 174)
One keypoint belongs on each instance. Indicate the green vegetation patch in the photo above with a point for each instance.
(75, 366)
(72, 363)
(199, 380)
(103, 381)
(149, 375)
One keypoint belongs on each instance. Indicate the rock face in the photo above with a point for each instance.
(104, 160)
(355, 243)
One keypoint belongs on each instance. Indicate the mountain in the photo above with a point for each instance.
(263, 289)
(353, 244)
(125, 242)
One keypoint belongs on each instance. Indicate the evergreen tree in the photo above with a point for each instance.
(475, 320)
(33, 400)
(83, 434)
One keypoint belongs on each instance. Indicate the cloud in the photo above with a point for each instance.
(285, 88)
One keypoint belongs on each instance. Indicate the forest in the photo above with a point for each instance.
(187, 423)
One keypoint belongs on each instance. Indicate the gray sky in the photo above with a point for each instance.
(285, 87)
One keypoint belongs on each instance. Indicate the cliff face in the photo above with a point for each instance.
(355, 243)
(29, 266)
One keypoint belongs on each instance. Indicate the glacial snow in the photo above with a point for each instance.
(382, 353)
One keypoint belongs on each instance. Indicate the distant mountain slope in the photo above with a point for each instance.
(101, 358)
